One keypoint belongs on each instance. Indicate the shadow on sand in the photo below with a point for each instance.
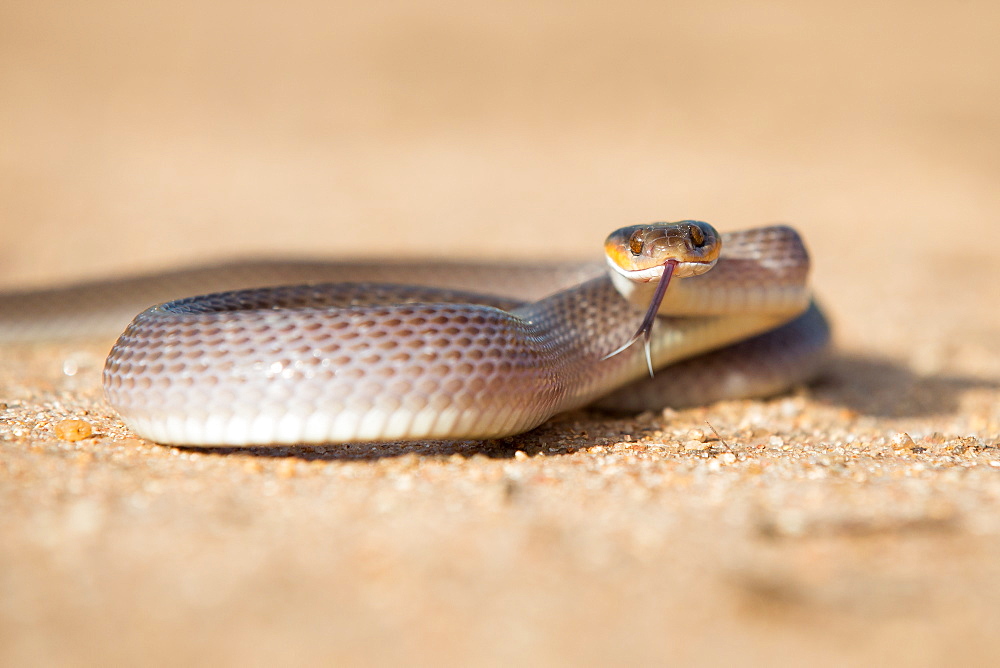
(881, 388)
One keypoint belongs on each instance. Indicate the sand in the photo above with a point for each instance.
(852, 521)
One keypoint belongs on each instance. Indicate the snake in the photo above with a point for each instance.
(390, 351)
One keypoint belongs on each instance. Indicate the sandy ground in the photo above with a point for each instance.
(145, 136)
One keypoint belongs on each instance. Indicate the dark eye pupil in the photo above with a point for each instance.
(635, 242)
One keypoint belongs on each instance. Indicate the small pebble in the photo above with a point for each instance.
(73, 430)
(901, 441)
(696, 435)
(694, 445)
(520, 455)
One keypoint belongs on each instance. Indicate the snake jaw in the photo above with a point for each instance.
(646, 326)
(682, 269)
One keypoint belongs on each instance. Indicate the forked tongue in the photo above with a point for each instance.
(646, 328)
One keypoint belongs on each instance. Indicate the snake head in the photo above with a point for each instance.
(657, 252)
(640, 252)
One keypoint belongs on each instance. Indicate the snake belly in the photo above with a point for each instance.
(341, 362)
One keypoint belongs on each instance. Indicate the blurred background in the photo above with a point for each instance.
(138, 136)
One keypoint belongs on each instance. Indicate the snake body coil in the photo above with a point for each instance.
(335, 362)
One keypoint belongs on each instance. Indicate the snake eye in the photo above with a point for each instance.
(635, 242)
(697, 236)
